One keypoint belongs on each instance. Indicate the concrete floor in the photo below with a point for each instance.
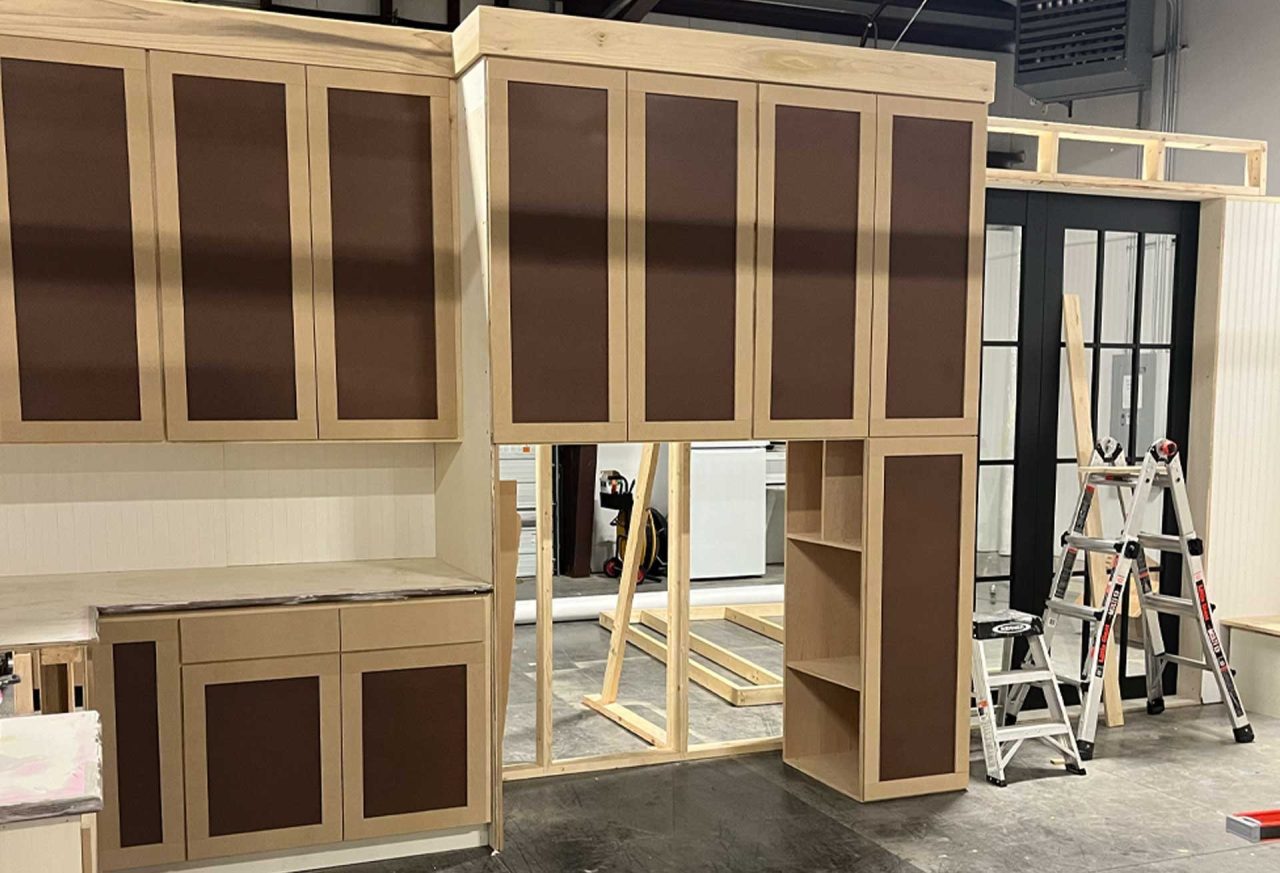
(1155, 799)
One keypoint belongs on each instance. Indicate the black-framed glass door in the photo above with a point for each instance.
(1132, 263)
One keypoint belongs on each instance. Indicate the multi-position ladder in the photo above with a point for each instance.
(1161, 469)
(1001, 743)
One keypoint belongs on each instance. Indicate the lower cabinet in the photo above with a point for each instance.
(262, 743)
(414, 740)
(312, 739)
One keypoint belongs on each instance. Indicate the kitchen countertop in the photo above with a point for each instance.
(50, 766)
(64, 609)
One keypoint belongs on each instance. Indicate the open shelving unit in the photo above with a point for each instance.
(824, 597)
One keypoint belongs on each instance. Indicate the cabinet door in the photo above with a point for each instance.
(691, 202)
(415, 740)
(558, 248)
(235, 247)
(928, 280)
(382, 225)
(263, 758)
(813, 262)
(79, 321)
(135, 689)
(917, 615)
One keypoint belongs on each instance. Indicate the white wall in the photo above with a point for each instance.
(86, 508)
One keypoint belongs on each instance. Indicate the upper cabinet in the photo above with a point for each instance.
(691, 202)
(382, 235)
(79, 335)
(814, 262)
(928, 280)
(235, 247)
(557, 201)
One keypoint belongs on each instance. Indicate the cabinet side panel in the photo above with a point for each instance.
(383, 254)
(928, 268)
(237, 251)
(71, 232)
(815, 256)
(137, 719)
(919, 602)
(558, 243)
(415, 739)
(690, 239)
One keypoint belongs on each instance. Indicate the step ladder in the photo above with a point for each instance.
(1160, 470)
(1000, 743)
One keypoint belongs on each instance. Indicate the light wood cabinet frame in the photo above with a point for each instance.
(150, 426)
(441, 94)
(877, 450)
(500, 72)
(976, 114)
(474, 656)
(745, 94)
(771, 97)
(164, 66)
(200, 844)
(102, 697)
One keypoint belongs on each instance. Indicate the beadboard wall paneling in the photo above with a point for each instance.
(87, 508)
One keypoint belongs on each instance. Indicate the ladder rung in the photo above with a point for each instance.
(1126, 477)
(1185, 661)
(1174, 605)
(1163, 542)
(1092, 544)
(1002, 678)
(1075, 610)
(1028, 731)
(1073, 681)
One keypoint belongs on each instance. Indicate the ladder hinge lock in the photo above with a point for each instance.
(1195, 546)
(1131, 549)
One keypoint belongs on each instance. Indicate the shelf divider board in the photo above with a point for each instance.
(845, 672)
(815, 540)
(804, 488)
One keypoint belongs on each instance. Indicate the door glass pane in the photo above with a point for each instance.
(995, 520)
(999, 403)
(1153, 397)
(1066, 422)
(1080, 272)
(1119, 280)
(1157, 288)
(1113, 394)
(1003, 277)
(1067, 492)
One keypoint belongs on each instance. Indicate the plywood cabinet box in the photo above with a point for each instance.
(242, 731)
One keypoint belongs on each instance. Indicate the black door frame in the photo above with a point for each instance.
(1044, 219)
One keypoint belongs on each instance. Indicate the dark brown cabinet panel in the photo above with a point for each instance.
(235, 247)
(928, 292)
(415, 739)
(262, 751)
(382, 224)
(919, 555)
(135, 688)
(813, 262)
(79, 330)
(691, 169)
(557, 282)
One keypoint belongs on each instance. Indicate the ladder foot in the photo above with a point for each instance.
(1155, 707)
(1244, 734)
(1086, 750)
(999, 783)
(1075, 768)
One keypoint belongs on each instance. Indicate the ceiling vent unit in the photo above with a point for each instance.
(1071, 49)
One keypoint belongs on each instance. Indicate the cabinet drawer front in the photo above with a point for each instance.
(259, 633)
(427, 622)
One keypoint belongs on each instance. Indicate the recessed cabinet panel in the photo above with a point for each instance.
(135, 687)
(235, 248)
(814, 258)
(690, 248)
(382, 214)
(558, 320)
(928, 267)
(79, 335)
(919, 584)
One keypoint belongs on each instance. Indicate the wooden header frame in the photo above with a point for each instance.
(1155, 145)
(493, 32)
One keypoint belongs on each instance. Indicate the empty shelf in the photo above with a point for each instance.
(845, 672)
(817, 540)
